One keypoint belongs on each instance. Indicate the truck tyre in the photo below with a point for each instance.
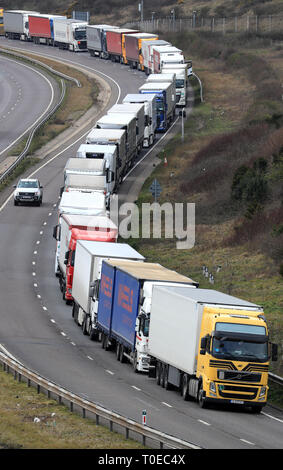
(93, 334)
(201, 398)
(84, 328)
(162, 374)
(158, 371)
(167, 385)
(135, 364)
(185, 387)
(118, 347)
(122, 357)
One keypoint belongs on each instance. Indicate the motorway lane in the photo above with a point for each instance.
(79, 364)
(26, 94)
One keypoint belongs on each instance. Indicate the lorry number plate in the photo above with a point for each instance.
(237, 402)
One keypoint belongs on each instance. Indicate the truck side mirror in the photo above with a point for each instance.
(66, 257)
(274, 352)
(55, 232)
(204, 342)
(91, 291)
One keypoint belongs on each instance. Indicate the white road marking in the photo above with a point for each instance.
(247, 442)
(63, 334)
(166, 404)
(136, 388)
(53, 321)
(204, 422)
(272, 417)
(90, 358)
(109, 372)
(44, 308)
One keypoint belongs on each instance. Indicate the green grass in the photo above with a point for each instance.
(58, 428)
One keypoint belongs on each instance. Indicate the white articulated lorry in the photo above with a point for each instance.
(148, 55)
(105, 138)
(126, 122)
(16, 25)
(212, 346)
(124, 307)
(70, 34)
(106, 158)
(87, 275)
(78, 203)
(138, 110)
(181, 72)
(166, 55)
(150, 113)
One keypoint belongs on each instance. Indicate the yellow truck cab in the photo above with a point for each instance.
(216, 349)
(1, 22)
(233, 357)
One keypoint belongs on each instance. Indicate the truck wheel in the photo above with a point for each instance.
(118, 351)
(135, 364)
(167, 385)
(185, 387)
(122, 357)
(84, 327)
(158, 371)
(201, 398)
(162, 374)
(93, 334)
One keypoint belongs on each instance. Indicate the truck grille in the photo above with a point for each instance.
(26, 194)
(240, 393)
(82, 45)
(238, 375)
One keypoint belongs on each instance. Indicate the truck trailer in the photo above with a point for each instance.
(147, 54)
(96, 39)
(133, 48)
(77, 203)
(166, 55)
(211, 346)
(124, 307)
(106, 138)
(74, 227)
(16, 24)
(87, 275)
(115, 41)
(150, 113)
(165, 102)
(137, 110)
(126, 122)
(41, 28)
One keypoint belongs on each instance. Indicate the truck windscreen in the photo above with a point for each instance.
(240, 342)
(80, 34)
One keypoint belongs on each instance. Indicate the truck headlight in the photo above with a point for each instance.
(262, 391)
(212, 387)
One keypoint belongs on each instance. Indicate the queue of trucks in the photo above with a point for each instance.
(210, 346)
(142, 51)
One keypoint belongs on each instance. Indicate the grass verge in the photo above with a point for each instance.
(57, 428)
